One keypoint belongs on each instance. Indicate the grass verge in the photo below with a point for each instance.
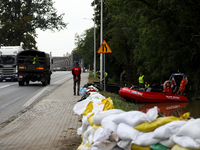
(119, 102)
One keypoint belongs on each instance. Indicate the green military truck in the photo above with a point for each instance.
(33, 66)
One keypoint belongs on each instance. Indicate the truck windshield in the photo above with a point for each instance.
(7, 60)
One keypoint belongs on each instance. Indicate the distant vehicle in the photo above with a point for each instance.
(33, 66)
(8, 68)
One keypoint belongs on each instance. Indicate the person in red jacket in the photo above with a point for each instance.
(168, 89)
(76, 72)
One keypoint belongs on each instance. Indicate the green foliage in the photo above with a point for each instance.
(19, 20)
(150, 36)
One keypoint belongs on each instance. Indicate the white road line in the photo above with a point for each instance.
(29, 102)
(4, 86)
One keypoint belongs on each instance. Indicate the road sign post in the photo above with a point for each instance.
(104, 48)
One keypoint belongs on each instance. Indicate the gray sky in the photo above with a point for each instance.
(60, 43)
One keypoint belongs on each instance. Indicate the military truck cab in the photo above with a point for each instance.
(33, 66)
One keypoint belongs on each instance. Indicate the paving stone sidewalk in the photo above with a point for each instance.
(50, 125)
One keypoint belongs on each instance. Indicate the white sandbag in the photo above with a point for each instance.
(114, 137)
(125, 145)
(185, 141)
(145, 139)
(107, 145)
(168, 143)
(152, 114)
(168, 130)
(98, 116)
(126, 132)
(191, 129)
(197, 140)
(80, 107)
(85, 124)
(79, 131)
(90, 139)
(88, 132)
(95, 148)
(102, 134)
(107, 123)
(134, 118)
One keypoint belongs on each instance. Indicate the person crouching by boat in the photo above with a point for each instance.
(141, 80)
(168, 89)
(147, 85)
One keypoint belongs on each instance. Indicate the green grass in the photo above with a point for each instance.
(91, 78)
(119, 102)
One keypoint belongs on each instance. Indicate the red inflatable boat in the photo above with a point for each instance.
(150, 97)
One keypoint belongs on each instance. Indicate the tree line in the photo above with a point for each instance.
(19, 20)
(155, 37)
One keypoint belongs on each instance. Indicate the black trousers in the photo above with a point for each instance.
(77, 81)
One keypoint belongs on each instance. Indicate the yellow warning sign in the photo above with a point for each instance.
(104, 48)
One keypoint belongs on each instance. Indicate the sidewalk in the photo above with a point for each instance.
(50, 125)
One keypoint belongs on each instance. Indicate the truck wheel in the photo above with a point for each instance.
(49, 81)
(27, 82)
(45, 82)
(21, 83)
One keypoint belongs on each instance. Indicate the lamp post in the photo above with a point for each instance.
(94, 43)
(101, 41)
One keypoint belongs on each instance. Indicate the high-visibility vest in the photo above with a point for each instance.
(34, 60)
(141, 80)
(146, 86)
(99, 75)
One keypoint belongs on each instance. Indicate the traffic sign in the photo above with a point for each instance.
(104, 48)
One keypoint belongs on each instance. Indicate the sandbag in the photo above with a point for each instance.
(137, 147)
(185, 141)
(158, 147)
(102, 134)
(134, 118)
(80, 107)
(177, 147)
(167, 130)
(107, 123)
(125, 145)
(148, 127)
(88, 132)
(90, 120)
(107, 145)
(145, 139)
(168, 143)
(126, 132)
(191, 129)
(98, 116)
(108, 104)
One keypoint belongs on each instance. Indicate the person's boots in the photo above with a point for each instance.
(78, 93)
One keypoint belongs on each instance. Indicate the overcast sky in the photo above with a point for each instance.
(60, 43)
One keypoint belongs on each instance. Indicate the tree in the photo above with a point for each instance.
(20, 18)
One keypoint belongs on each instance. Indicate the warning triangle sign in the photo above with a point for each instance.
(104, 48)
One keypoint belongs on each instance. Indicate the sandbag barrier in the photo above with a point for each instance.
(106, 128)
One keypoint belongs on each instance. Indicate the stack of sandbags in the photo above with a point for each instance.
(106, 128)
(188, 135)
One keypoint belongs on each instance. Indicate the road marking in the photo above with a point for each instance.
(29, 102)
(4, 86)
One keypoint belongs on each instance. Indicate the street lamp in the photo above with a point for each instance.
(94, 44)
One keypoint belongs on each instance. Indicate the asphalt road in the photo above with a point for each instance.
(14, 98)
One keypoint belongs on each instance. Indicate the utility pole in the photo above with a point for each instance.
(101, 55)
(94, 43)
